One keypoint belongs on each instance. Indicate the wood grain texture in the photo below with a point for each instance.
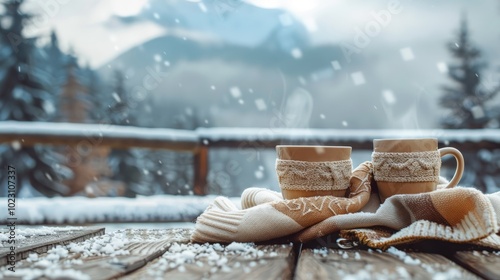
(266, 267)
(142, 245)
(150, 245)
(271, 262)
(360, 264)
(485, 264)
(111, 267)
(42, 243)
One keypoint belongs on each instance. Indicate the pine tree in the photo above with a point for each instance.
(124, 162)
(94, 85)
(466, 99)
(470, 105)
(90, 165)
(24, 97)
(55, 66)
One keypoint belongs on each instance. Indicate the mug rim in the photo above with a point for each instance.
(404, 139)
(313, 153)
(401, 144)
(313, 146)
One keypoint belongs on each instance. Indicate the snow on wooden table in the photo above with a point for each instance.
(42, 239)
(168, 254)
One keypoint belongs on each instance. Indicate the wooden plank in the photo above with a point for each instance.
(200, 165)
(110, 267)
(214, 261)
(360, 264)
(484, 263)
(81, 141)
(150, 245)
(142, 247)
(42, 243)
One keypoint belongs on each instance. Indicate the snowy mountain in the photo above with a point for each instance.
(176, 49)
(200, 74)
(264, 53)
(231, 22)
(206, 50)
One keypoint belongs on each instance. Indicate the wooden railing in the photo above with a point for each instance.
(200, 141)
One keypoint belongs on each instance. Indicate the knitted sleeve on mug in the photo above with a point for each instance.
(313, 176)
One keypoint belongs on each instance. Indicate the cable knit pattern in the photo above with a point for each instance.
(314, 176)
(406, 167)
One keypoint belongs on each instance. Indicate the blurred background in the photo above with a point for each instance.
(189, 64)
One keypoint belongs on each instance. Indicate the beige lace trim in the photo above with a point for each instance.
(314, 176)
(406, 167)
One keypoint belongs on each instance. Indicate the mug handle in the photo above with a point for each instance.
(460, 164)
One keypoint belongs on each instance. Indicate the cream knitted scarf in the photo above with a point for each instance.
(460, 215)
(266, 215)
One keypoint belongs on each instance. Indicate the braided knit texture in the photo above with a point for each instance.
(314, 176)
(406, 167)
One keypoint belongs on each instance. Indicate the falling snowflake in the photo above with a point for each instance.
(477, 112)
(116, 97)
(336, 65)
(407, 54)
(235, 92)
(202, 7)
(259, 174)
(388, 96)
(344, 123)
(296, 53)
(358, 78)
(442, 67)
(260, 104)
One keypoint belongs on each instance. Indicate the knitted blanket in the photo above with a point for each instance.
(457, 215)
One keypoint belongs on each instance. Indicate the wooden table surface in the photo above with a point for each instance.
(90, 253)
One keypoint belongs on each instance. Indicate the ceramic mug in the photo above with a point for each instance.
(305, 171)
(410, 166)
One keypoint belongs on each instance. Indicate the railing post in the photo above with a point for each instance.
(200, 165)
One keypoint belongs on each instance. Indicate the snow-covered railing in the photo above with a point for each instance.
(30, 133)
(201, 140)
